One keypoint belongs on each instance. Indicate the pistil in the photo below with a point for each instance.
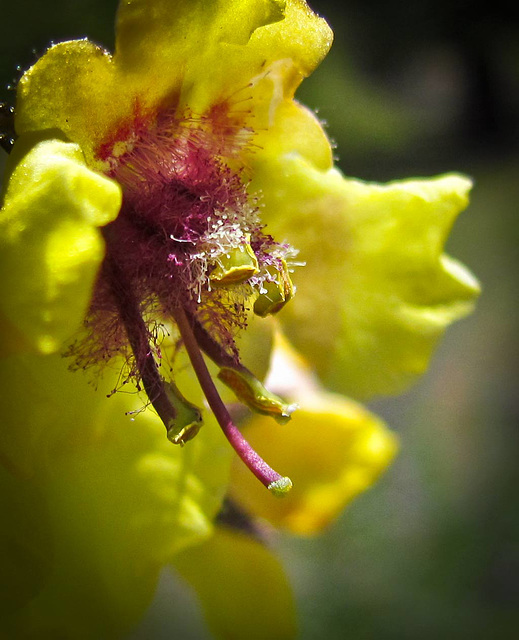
(276, 483)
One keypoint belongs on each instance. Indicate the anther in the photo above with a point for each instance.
(235, 266)
(276, 291)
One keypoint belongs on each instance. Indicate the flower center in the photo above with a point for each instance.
(187, 246)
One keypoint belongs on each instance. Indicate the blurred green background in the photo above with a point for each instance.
(413, 88)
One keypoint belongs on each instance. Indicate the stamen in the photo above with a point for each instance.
(276, 483)
(247, 388)
(209, 345)
(137, 333)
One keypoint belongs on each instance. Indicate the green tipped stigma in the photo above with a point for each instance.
(281, 487)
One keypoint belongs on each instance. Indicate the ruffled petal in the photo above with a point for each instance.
(241, 586)
(377, 290)
(50, 244)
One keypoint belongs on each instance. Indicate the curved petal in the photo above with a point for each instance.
(241, 586)
(51, 248)
(376, 292)
(157, 34)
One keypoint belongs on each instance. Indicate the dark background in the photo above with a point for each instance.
(410, 88)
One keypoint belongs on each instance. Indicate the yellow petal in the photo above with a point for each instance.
(290, 129)
(377, 291)
(241, 586)
(117, 499)
(74, 87)
(163, 51)
(235, 39)
(26, 550)
(51, 247)
(156, 34)
(332, 450)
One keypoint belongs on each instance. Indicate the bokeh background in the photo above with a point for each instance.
(410, 88)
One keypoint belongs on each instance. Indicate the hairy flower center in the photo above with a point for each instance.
(188, 232)
(188, 247)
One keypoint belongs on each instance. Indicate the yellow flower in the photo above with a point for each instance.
(153, 202)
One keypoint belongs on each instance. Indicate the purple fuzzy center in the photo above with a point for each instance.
(185, 204)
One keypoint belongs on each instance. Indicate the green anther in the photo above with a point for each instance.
(235, 266)
(275, 293)
(280, 487)
(188, 418)
(251, 392)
